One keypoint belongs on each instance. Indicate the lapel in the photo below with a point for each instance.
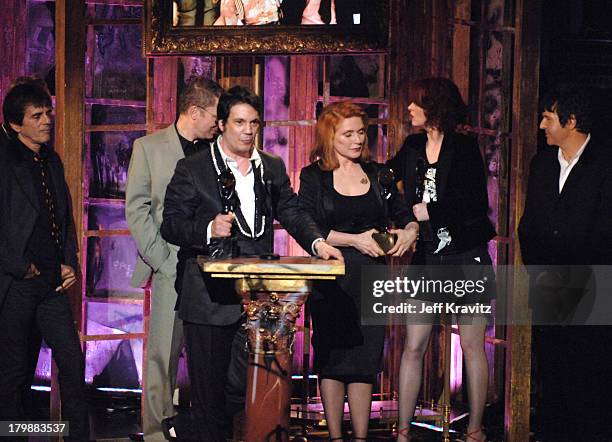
(23, 176)
(372, 173)
(445, 159)
(174, 147)
(327, 184)
(58, 183)
(264, 191)
(410, 177)
(258, 186)
(578, 175)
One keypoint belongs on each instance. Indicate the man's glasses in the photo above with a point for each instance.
(208, 112)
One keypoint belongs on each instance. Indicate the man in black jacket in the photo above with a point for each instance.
(210, 309)
(6, 136)
(37, 259)
(565, 229)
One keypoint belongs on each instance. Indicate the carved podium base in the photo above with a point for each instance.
(270, 330)
(272, 294)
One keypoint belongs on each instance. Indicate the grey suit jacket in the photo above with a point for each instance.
(154, 158)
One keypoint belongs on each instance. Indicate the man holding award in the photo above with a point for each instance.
(197, 198)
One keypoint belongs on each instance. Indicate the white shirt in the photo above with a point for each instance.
(244, 187)
(246, 192)
(244, 184)
(567, 166)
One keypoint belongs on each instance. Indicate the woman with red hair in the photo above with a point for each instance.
(340, 190)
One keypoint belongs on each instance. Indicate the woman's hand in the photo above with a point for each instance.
(325, 251)
(420, 212)
(366, 244)
(406, 240)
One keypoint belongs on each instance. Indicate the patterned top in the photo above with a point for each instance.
(249, 12)
(430, 194)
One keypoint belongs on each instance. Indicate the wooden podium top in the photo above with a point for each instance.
(286, 267)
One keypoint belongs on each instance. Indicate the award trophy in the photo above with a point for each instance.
(385, 239)
(225, 247)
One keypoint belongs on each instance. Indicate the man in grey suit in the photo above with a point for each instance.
(154, 158)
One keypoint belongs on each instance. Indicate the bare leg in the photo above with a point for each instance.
(332, 396)
(411, 372)
(472, 344)
(360, 403)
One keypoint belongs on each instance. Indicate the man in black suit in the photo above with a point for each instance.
(37, 259)
(6, 136)
(210, 309)
(566, 228)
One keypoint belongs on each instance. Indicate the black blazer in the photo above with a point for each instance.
(192, 201)
(20, 208)
(462, 204)
(574, 227)
(316, 197)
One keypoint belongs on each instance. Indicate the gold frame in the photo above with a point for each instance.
(161, 38)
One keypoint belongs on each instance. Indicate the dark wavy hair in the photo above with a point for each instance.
(20, 96)
(237, 95)
(568, 101)
(442, 102)
(329, 119)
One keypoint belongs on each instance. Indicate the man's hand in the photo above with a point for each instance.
(420, 212)
(325, 251)
(32, 272)
(68, 278)
(222, 225)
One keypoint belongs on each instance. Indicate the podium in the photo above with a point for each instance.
(273, 293)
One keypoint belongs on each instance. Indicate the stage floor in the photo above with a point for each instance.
(115, 417)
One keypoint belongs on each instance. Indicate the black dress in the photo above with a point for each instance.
(343, 348)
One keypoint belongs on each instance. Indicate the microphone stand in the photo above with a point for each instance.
(269, 221)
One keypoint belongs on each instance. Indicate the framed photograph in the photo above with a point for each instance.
(226, 27)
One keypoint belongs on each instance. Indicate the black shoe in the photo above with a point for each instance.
(167, 424)
(138, 437)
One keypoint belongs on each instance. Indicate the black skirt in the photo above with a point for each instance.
(342, 346)
(474, 264)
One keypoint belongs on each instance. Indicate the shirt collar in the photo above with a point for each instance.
(184, 141)
(28, 154)
(228, 160)
(576, 157)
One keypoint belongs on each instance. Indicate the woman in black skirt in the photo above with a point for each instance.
(445, 184)
(340, 190)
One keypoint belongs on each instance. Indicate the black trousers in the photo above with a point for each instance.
(217, 362)
(33, 307)
(572, 378)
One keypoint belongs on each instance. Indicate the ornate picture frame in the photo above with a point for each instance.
(161, 37)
